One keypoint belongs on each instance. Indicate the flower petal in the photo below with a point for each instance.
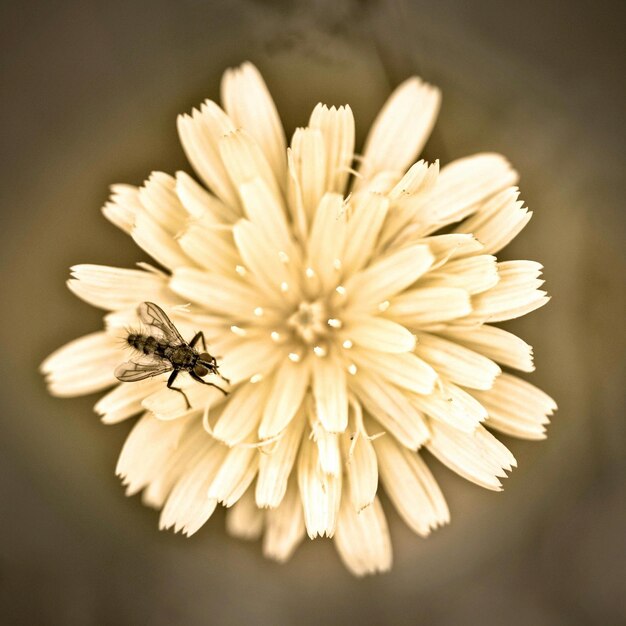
(388, 276)
(125, 400)
(337, 128)
(411, 487)
(244, 520)
(422, 307)
(114, 288)
(150, 236)
(245, 161)
(284, 526)
(404, 369)
(361, 469)
(326, 241)
(377, 333)
(476, 455)
(202, 205)
(461, 189)
(475, 274)
(515, 294)
(362, 539)
(159, 199)
(497, 221)
(123, 206)
(516, 407)
(494, 343)
(276, 465)
(241, 414)
(331, 397)
(234, 475)
(368, 213)
(460, 365)
(401, 128)
(392, 409)
(320, 492)
(308, 155)
(452, 406)
(82, 366)
(289, 385)
(211, 247)
(200, 135)
(249, 104)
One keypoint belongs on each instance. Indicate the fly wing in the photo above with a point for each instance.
(132, 371)
(153, 315)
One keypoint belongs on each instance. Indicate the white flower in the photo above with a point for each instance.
(352, 311)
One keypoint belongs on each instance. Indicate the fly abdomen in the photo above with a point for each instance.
(142, 343)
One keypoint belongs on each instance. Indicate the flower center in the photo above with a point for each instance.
(309, 321)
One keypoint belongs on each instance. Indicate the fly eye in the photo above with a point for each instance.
(200, 370)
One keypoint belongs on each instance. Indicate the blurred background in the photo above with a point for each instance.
(91, 90)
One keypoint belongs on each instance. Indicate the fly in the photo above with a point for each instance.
(165, 350)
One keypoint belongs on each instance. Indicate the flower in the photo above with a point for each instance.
(353, 310)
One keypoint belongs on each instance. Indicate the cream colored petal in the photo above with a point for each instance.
(244, 520)
(190, 446)
(170, 405)
(461, 189)
(125, 400)
(451, 405)
(234, 475)
(202, 205)
(160, 200)
(200, 134)
(451, 246)
(330, 392)
(320, 492)
(145, 450)
(329, 455)
(475, 274)
(123, 206)
(217, 294)
(262, 209)
(361, 469)
(150, 236)
(308, 153)
(401, 129)
(241, 414)
(270, 274)
(411, 487)
(516, 407)
(404, 370)
(113, 288)
(289, 384)
(516, 294)
(367, 215)
(392, 410)
(249, 104)
(245, 162)
(188, 508)
(407, 200)
(388, 276)
(422, 307)
(362, 539)
(460, 365)
(337, 128)
(377, 333)
(497, 221)
(276, 463)
(326, 241)
(476, 455)
(211, 247)
(284, 526)
(251, 357)
(494, 343)
(82, 366)
(295, 200)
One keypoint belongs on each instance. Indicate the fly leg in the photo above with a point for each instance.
(198, 336)
(170, 382)
(206, 382)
